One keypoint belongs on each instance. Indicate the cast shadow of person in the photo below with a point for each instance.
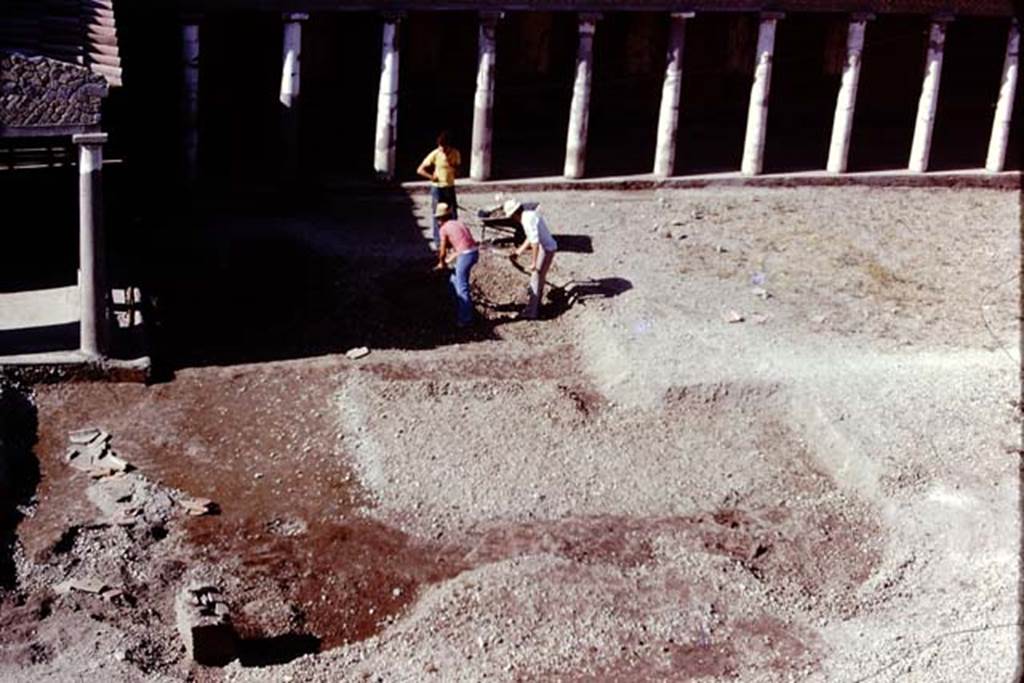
(563, 296)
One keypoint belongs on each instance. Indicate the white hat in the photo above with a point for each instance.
(442, 210)
(510, 207)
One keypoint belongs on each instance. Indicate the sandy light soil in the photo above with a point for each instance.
(762, 435)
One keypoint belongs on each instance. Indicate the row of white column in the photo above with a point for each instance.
(385, 139)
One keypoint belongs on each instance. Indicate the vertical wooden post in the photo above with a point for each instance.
(483, 100)
(842, 122)
(921, 148)
(91, 274)
(579, 111)
(387, 100)
(668, 114)
(996, 159)
(757, 113)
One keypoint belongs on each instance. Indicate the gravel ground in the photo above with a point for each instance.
(763, 435)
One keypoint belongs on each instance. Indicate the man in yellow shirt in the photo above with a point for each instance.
(441, 167)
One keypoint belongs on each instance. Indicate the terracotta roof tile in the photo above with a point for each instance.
(75, 31)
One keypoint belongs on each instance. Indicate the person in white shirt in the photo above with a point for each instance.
(542, 246)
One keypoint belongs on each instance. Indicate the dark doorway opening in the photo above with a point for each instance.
(437, 78)
(629, 54)
(338, 101)
(971, 74)
(241, 141)
(718, 62)
(535, 62)
(808, 61)
(40, 224)
(889, 89)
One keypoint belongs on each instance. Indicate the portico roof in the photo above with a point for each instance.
(961, 7)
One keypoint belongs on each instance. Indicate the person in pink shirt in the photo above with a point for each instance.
(456, 237)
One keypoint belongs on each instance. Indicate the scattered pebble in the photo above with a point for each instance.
(734, 317)
(358, 352)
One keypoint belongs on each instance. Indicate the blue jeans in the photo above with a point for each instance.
(460, 283)
(446, 195)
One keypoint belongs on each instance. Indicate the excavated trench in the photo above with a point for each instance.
(314, 554)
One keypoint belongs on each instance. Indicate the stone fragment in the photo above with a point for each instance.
(86, 585)
(90, 452)
(733, 317)
(197, 506)
(204, 623)
(357, 352)
(83, 436)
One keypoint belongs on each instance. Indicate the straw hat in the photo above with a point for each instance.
(442, 210)
(510, 207)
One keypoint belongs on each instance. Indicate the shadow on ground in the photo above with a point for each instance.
(277, 650)
(253, 282)
(19, 471)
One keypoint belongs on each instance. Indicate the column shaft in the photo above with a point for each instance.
(190, 99)
(579, 111)
(291, 58)
(842, 122)
(996, 159)
(668, 114)
(483, 100)
(387, 101)
(923, 128)
(291, 74)
(757, 114)
(91, 275)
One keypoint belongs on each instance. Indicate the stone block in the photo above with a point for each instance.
(204, 622)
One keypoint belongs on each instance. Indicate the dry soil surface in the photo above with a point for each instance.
(762, 435)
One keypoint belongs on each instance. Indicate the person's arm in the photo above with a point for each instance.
(422, 170)
(523, 247)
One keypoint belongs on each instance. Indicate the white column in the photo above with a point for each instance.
(579, 111)
(668, 114)
(483, 100)
(91, 273)
(842, 122)
(1004, 107)
(190, 99)
(757, 113)
(387, 100)
(291, 58)
(291, 72)
(921, 148)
